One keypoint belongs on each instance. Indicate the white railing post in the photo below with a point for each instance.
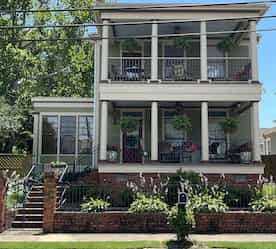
(154, 52)
(204, 132)
(203, 51)
(104, 64)
(104, 130)
(255, 132)
(154, 131)
(253, 50)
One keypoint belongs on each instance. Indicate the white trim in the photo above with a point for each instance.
(172, 168)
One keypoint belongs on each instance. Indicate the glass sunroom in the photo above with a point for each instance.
(63, 131)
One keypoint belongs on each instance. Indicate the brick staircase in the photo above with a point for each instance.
(31, 215)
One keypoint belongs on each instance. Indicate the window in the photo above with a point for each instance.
(85, 134)
(67, 134)
(49, 134)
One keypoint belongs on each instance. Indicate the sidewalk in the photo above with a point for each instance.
(28, 235)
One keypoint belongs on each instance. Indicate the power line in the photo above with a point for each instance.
(72, 25)
(144, 6)
(94, 38)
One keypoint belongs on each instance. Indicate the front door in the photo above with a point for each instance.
(132, 141)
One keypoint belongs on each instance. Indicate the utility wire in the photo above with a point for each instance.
(94, 38)
(149, 6)
(74, 25)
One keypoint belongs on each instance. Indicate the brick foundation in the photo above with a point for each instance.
(3, 180)
(236, 222)
(110, 222)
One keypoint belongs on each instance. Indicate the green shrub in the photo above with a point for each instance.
(94, 205)
(145, 204)
(16, 193)
(181, 221)
(208, 201)
(264, 204)
(237, 197)
(265, 199)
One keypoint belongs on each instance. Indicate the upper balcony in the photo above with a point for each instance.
(169, 49)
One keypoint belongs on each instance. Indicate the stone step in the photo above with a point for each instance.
(30, 211)
(27, 224)
(28, 217)
(36, 193)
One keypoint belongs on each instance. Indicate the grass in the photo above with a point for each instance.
(243, 245)
(82, 245)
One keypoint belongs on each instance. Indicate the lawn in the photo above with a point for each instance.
(82, 245)
(243, 245)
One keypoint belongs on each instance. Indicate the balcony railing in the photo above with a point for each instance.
(129, 68)
(229, 68)
(179, 68)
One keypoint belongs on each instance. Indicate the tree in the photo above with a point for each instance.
(48, 68)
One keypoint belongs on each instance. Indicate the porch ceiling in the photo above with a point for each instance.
(164, 104)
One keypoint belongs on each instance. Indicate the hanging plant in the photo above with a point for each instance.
(229, 125)
(130, 44)
(128, 124)
(182, 123)
(226, 45)
(182, 42)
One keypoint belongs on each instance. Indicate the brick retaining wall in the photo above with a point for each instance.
(121, 222)
(236, 222)
(110, 222)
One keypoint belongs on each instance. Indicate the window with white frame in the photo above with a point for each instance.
(67, 135)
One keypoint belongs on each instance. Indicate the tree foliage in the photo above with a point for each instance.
(44, 68)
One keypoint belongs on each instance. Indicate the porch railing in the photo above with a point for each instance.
(229, 68)
(129, 68)
(178, 68)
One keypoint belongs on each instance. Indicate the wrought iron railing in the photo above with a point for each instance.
(129, 68)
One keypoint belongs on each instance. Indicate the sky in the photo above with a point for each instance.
(266, 59)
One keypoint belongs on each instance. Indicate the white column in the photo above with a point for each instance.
(103, 130)
(154, 51)
(203, 51)
(154, 131)
(36, 137)
(204, 132)
(255, 132)
(104, 65)
(253, 50)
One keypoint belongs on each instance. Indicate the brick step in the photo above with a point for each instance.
(33, 205)
(36, 193)
(41, 188)
(27, 224)
(30, 211)
(35, 198)
(28, 217)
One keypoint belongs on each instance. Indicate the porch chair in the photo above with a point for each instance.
(180, 73)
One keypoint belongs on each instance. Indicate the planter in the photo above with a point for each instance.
(176, 244)
(246, 156)
(57, 168)
(112, 156)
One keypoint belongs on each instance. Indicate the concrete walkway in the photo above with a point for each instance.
(28, 235)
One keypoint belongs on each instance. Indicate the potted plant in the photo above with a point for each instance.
(182, 42)
(128, 124)
(112, 153)
(182, 221)
(130, 44)
(245, 153)
(56, 166)
(183, 123)
(229, 125)
(226, 44)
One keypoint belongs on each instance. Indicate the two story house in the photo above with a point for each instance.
(155, 62)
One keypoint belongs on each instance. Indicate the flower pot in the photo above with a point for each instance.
(246, 156)
(112, 156)
(176, 244)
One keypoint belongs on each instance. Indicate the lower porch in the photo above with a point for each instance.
(156, 143)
